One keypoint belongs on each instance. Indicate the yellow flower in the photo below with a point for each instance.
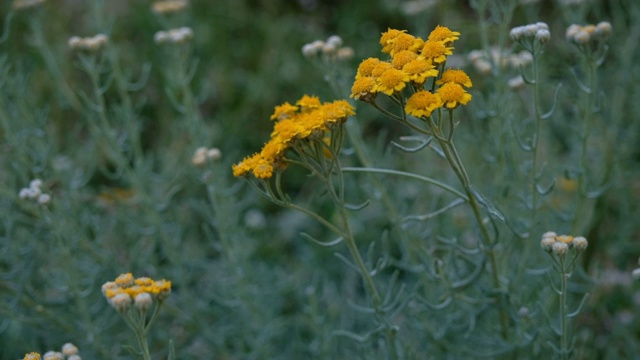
(246, 165)
(442, 33)
(435, 51)
(336, 111)
(263, 169)
(391, 81)
(366, 67)
(456, 77)
(453, 95)
(567, 239)
(404, 42)
(308, 103)
(125, 280)
(362, 89)
(403, 57)
(419, 70)
(32, 356)
(422, 103)
(386, 38)
(273, 149)
(381, 67)
(284, 111)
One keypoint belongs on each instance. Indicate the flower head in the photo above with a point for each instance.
(284, 111)
(32, 356)
(363, 89)
(456, 77)
(308, 102)
(387, 37)
(422, 103)
(366, 67)
(404, 42)
(453, 95)
(436, 51)
(391, 81)
(168, 6)
(419, 70)
(442, 33)
(403, 57)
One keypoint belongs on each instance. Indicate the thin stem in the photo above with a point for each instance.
(564, 278)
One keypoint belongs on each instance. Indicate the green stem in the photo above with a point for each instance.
(564, 278)
(452, 156)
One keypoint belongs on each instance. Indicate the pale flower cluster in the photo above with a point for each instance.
(538, 31)
(204, 154)
(168, 6)
(560, 244)
(331, 48)
(69, 352)
(126, 289)
(174, 36)
(483, 61)
(34, 192)
(93, 43)
(588, 33)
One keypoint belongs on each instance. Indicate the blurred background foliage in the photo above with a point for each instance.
(245, 284)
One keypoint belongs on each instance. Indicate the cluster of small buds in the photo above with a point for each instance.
(174, 36)
(331, 48)
(560, 244)
(482, 62)
(25, 4)
(168, 6)
(69, 352)
(34, 192)
(93, 43)
(126, 290)
(583, 35)
(538, 31)
(203, 154)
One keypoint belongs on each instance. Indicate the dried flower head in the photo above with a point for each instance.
(579, 243)
(91, 44)
(174, 36)
(168, 6)
(32, 356)
(69, 349)
(52, 355)
(143, 301)
(560, 248)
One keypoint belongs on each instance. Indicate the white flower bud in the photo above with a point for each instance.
(35, 184)
(335, 40)
(547, 243)
(636, 274)
(74, 42)
(109, 285)
(121, 302)
(200, 156)
(24, 193)
(560, 248)
(571, 32)
(74, 357)
(516, 83)
(329, 49)
(543, 36)
(214, 154)
(530, 30)
(582, 37)
(516, 33)
(603, 29)
(44, 199)
(483, 66)
(475, 55)
(309, 51)
(579, 243)
(161, 37)
(345, 53)
(69, 349)
(143, 302)
(52, 355)
(542, 26)
(549, 234)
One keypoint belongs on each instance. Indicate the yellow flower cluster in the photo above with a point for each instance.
(125, 289)
(412, 62)
(293, 123)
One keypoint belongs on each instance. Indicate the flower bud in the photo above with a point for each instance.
(582, 37)
(335, 40)
(309, 51)
(121, 302)
(547, 243)
(560, 248)
(214, 154)
(603, 29)
(69, 349)
(516, 83)
(579, 243)
(543, 36)
(143, 301)
(636, 274)
(52, 355)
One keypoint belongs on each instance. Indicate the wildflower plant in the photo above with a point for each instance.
(133, 298)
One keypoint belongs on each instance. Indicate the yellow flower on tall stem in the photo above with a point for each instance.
(423, 103)
(453, 95)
